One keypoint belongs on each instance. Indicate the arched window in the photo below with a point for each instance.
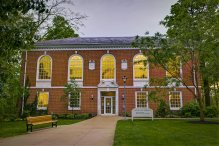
(76, 67)
(173, 68)
(108, 67)
(140, 67)
(44, 67)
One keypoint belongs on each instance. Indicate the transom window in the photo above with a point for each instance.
(173, 68)
(74, 102)
(175, 100)
(108, 67)
(44, 71)
(141, 99)
(76, 67)
(42, 100)
(140, 67)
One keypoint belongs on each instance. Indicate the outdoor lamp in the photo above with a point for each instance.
(124, 78)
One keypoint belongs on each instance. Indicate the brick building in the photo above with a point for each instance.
(98, 65)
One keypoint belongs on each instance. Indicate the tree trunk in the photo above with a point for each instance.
(201, 106)
(206, 91)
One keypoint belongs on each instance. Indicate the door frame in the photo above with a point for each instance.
(116, 99)
(111, 98)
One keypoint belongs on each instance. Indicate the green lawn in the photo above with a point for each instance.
(165, 132)
(19, 127)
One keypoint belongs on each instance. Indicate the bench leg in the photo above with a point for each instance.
(31, 129)
(52, 125)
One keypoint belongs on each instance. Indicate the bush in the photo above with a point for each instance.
(62, 116)
(70, 116)
(211, 111)
(163, 109)
(82, 116)
(190, 110)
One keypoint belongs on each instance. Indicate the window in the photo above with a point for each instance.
(175, 100)
(76, 67)
(140, 67)
(74, 103)
(42, 100)
(108, 67)
(173, 68)
(141, 99)
(44, 66)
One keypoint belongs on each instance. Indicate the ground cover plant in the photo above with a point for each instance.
(166, 132)
(12, 128)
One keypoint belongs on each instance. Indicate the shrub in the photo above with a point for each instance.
(82, 116)
(163, 109)
(211, 111)
(62, 116)
(70, 116)
(190, 110)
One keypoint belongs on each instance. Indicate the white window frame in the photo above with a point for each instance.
(80, 80)
(42, 108)
(181, 101)
(114, 68)
(140, 82)
(38, 65)
(136, 94)
(74, 108)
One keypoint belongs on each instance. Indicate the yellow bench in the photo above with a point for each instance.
(32, 121)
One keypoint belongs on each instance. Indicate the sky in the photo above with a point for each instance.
(117, 18)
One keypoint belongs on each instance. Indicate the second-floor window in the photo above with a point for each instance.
(140, 67)
(108, 67)
(76, 67)
(44, 67)
(173, 68)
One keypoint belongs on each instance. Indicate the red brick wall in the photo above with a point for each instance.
(92, 78)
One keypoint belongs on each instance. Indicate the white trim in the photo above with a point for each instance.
(42, 108)
(71, 48)
(99, 99)
(181, 101)
(114, 68)
(136, 98)
(94, 87)
(37, 76)
(75, 108)
(111, 98)
(140, 82)
(78, 80)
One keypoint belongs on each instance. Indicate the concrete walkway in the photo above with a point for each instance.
(98, 131)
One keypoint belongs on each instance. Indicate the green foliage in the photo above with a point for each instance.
(74, 116)
(71, 93)
(191, 109)
(163, 109)
(60, 29)
(211, 111)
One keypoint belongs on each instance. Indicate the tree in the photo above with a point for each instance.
(192, 36)
(72, 94)
(20, 22)
(60, 29)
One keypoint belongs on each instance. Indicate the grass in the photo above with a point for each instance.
(19, 127)
(165, 132)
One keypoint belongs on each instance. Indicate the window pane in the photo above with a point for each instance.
(173, 67)
(45, 67)
(108, 67)
(76, 67)
(175, 101)
(141, 99)
(140, 67)
(74, 101)
(42, 101)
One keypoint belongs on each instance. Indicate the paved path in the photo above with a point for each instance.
(98, 131)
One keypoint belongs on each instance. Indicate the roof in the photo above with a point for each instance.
(86, 41)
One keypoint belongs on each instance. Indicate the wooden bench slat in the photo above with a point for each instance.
(32, 121)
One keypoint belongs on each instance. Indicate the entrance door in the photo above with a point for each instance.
(108, 105)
